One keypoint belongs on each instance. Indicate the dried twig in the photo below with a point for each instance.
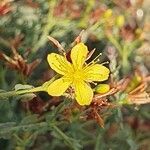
(57, 44)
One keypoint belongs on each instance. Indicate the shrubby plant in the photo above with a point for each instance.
(74, 75)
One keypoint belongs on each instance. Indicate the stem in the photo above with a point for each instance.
(27, 127)
(13, 93)
(36, 89)
(51, 22)
(20, 148)
(64, 136)
(125, 63)
(125, 59)
(115, 43)
(120, 118)
(32, 90)
(4, 42)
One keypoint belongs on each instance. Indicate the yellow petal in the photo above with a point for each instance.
(58, 87)
(78, 55)
(83, 93)
(59, 63)
(96, 72)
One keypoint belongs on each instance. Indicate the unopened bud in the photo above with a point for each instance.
(108, 13)
(102, 88)
(120, 21)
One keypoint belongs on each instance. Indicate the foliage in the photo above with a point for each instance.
(118, 116)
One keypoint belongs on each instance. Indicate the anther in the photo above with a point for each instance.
(94, 83)
(107, 62)
(95, 60)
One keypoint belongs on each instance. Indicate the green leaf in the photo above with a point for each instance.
(2, 97)
(9, 129)
(29, 119)
(22, 87)
(7, 125)
(4, 129)
(71, 142)
(27, 97)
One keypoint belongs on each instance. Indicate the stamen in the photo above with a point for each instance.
(98, 59)
(94, 61)
(100, 54)
(94, 83)
(106, 62)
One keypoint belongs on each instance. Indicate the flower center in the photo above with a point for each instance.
(77, 76)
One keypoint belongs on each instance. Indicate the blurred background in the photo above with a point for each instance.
(118, 29)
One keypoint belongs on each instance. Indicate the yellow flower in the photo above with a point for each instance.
(77, 74)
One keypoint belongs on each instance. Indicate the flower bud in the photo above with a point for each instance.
(120, 21)
(108, 13)
(102, 88)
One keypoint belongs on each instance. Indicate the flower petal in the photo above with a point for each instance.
(96, 72)
(58, 87)
(83, 93)
(78, 55)
(59, 63)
